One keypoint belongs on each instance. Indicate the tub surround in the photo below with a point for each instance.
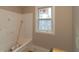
(10, 18)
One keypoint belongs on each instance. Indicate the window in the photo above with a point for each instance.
(44, 19)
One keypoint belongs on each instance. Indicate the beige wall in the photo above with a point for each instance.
(28, 9)
(63, 30)
(63, 33)
(16, 9)
(76, 26)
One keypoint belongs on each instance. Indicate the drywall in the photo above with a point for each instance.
(76, 26)
(63, 30)
(8, 29)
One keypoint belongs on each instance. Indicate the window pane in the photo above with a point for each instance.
(44, 13)
(45, 25)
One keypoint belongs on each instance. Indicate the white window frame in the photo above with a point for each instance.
(53, 20)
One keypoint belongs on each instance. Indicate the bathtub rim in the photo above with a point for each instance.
(17, 49)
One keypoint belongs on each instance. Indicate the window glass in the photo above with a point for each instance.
(44, 13)
(45, 21)
(45, 25)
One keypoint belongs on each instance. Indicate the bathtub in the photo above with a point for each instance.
(23, 46)
(30, 47)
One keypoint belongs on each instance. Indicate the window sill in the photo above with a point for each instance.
(50, 33)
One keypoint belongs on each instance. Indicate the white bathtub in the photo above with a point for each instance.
(23, 46)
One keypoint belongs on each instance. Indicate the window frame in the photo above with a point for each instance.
(52, 19)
